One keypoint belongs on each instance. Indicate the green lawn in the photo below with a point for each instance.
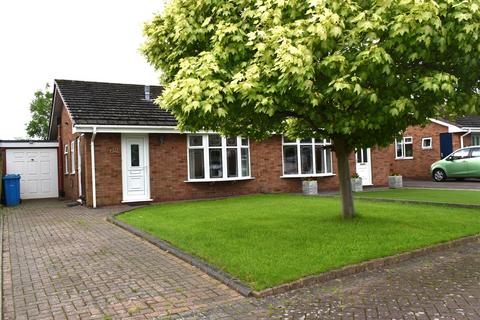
(266, 240)
(434, 195)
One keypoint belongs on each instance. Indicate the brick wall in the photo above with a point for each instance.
(168, 170)
(69, 182)
(419, 166)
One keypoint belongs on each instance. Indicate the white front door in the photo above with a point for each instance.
(136, 171)
(38, 170)
(364, 165)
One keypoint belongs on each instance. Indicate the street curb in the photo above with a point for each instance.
(246, 291)
(404, 201)
(364, 266)
(212, 271)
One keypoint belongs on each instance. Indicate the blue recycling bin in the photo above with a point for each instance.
(11, 187)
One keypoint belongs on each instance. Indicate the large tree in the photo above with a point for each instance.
(357, 72)
(40, 112)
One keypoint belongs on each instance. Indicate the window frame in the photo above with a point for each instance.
(475, 136)
(423, 143)
(403, 143)
(72, 157)
(325, 143)
(223, 146)
(65, 158)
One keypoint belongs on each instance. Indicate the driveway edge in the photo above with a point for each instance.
(246, 291)
(1, 260)
(212, 271)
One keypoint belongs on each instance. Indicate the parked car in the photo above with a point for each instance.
(463, 163)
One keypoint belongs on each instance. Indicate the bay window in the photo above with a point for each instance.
(307, 157)
(212, 157)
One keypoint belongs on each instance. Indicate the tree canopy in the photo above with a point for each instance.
(40, 112)
(358, 72)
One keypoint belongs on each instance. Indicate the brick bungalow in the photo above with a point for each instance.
(419, 147)
(117, 146)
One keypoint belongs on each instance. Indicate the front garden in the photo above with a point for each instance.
(267, 240)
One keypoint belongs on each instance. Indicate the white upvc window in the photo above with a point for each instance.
(72, 156)
(475, 139)
(306, 157)
(427, 143)
(212, 157)
(404, 148)
(65, 158)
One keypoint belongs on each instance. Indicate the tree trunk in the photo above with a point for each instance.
(342, 151)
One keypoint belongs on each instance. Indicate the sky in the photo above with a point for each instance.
(95, 40)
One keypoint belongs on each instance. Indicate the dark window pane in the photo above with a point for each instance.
(290, 160)
(245, 162)
(359, 156)
(328, 156)
(214, 140)
(134, 155)
(232, 162)
(197, 168)
(306, 157)
(195, 141)
(306, 141)
(216, 163)
(244, 142)
(320, 159)
(399, 150)
(231, 142)
(408, 150)
(365, 155)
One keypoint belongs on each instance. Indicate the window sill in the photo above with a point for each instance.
(409, 158)
(308, 175)
(427, 148)
(220, 179)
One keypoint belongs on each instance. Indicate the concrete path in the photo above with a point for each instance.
(69, 263)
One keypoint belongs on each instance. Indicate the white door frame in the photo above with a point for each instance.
(146, 157)
(365, 166)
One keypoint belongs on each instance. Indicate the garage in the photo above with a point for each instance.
(37, 164)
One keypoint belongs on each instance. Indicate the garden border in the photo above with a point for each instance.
(246, 291)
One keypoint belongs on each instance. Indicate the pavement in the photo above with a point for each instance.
(64, 262)
(467, 184)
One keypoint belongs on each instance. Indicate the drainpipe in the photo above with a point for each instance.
(92, 153)
(461, 138)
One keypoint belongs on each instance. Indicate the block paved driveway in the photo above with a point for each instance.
(70, 263)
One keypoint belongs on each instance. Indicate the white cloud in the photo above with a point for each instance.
(65, 39)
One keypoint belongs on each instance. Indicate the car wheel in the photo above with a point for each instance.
(439, 175)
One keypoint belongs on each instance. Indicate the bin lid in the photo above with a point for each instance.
(11, 177)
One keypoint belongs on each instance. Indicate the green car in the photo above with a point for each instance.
(463, 163)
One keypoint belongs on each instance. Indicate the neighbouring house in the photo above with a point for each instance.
(419, 147)
(117, 146)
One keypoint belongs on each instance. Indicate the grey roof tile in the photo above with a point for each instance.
(102, 103)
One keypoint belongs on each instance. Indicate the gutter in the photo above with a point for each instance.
(92, 153)
(463, 135)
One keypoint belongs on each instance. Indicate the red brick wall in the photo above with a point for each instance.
(168, 171)
(419, 166)
(69, 182)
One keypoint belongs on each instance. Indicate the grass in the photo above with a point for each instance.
(433, 195)
(266, 240)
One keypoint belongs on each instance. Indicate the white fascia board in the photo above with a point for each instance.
(471, 129)
(82, 128)
(124, 129)
(451, 128)
(28, 145)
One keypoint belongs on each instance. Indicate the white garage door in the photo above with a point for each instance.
(38, 169)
